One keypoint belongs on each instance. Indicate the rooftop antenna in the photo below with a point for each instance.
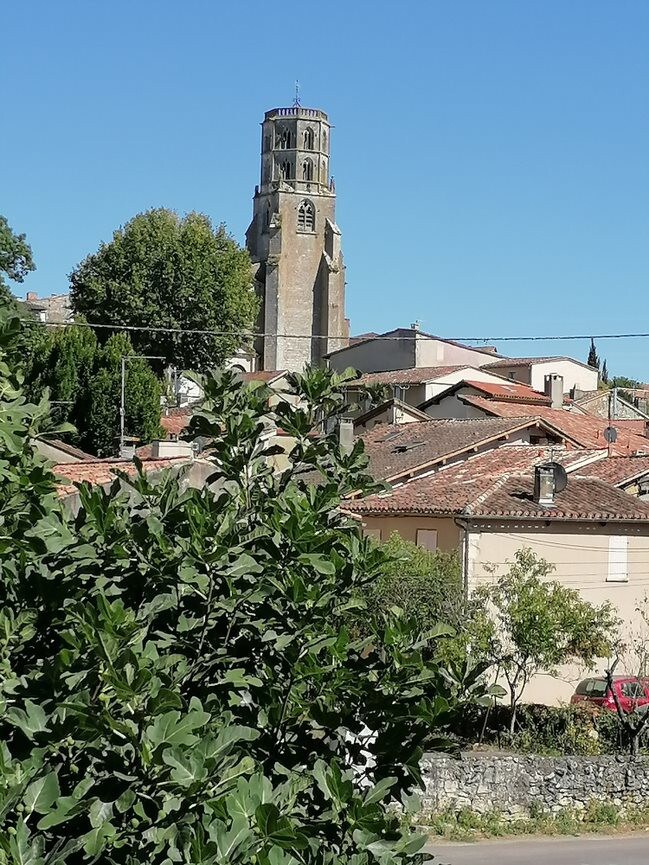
(297, 103)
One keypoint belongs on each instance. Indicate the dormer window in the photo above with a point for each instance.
(306, 216)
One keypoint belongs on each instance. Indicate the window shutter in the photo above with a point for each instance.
(618, 559)
(427, 539)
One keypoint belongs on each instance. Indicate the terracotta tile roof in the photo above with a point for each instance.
(103, 472)
(510, 391)
(528, 361)
(176, 424)
(583, 499)
(500, 483)
(265, 375)
(413, 375)
(620, 470)
(637, 426)
(587, 430)
(395, 450)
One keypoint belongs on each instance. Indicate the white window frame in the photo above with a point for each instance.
(618, 559)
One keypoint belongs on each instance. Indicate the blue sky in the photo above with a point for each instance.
(491, 158)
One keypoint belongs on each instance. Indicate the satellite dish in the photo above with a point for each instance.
(560, 476)
(610, 434)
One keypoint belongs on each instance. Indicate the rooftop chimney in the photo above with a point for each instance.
(554, 390)
(346, 436)
(166, 449)
(415, 325)
(544, 485)
(31, 295)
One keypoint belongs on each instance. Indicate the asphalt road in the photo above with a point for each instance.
(592, 850)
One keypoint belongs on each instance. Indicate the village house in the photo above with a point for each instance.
(406, 348)
(533, 371)
(417, 385)
(470, 399)
(491, 504)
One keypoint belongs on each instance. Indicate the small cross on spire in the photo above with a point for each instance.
(296, 103)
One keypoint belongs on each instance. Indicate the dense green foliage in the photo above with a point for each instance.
(84, 383)
(571, 730)
(176, 680)
(16, 259)
(161, 270)
(16, 262)
(426, 585)
(524, 624)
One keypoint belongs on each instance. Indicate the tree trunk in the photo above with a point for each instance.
(512, 720)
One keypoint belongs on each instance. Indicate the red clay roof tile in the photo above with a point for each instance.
(500, 483)
(103, 472)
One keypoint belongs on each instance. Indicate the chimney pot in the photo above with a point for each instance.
(166, 449)
(346, 435)
(554, 389)
(544, 485)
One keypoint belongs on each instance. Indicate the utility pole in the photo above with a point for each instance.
(122, 402)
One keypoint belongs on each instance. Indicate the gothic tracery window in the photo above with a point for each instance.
(308, 139)
(283, 139)
(307, 170)
(306, 216)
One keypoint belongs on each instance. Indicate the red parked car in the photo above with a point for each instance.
(631, 691)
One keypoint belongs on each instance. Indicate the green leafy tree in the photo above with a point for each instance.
(16, 259)
(626, 386)
(525, 624)
(83, 379)
(426, 585)
(16, 262)
(176, 680)
(163, 270)
(99, 420)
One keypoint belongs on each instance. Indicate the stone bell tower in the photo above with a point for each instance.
(294, 242)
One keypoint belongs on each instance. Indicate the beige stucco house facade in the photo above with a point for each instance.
(595, 536)
(407, 348)
(533, 370)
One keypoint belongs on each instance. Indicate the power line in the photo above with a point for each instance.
(243, 334)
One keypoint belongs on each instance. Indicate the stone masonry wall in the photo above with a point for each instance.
(517, 785)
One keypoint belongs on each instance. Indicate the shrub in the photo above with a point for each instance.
(553, 730)
(176, 681)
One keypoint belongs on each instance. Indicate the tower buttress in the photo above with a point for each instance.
(294, 242)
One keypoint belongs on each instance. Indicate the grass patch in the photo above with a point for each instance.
(598, 817)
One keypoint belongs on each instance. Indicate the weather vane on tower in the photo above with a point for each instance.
(296, 103)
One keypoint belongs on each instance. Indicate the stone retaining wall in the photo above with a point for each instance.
(519, 785)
